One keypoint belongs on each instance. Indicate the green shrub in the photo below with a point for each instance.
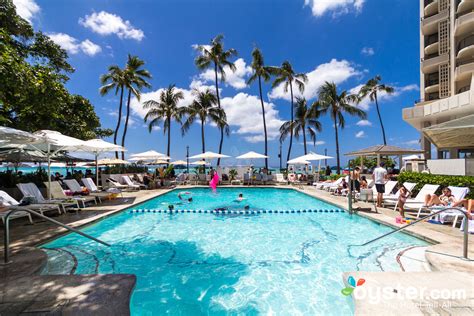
(442, 180)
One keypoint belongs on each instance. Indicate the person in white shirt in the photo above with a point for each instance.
(380, 175)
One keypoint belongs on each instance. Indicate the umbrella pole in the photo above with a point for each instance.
(96, 170)
(49, 173)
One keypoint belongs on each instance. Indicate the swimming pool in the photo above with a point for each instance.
(191, 263)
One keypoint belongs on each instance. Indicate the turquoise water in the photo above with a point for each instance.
(208, 264)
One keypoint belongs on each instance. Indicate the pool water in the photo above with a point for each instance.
(195, 264)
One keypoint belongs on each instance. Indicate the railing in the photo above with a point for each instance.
(24, 209)
(431, 39)
(468, 41)
(465, 230)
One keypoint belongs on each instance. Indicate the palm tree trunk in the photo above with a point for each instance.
(291, 129)
(126, 122)
(221, 142)
(202, 137)
(118, 120)
(380, 119)
(304, 139)
(169, 137)
(337, 146)
(264, 121)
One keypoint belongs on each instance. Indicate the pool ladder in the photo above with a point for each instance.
(465, 230)
(6, 258)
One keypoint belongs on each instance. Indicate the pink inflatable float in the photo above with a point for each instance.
(214, 181)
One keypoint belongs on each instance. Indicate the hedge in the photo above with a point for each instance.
(442, 180)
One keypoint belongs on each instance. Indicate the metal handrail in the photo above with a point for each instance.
(24, 209)
(465, 238)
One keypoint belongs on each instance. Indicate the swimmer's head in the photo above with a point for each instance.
(171, 207)
(246, 207)
(190, 199)
(241, 195)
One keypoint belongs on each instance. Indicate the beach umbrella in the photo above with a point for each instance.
(97, 147)
(298, 161)
(111, 161)
(149, 155)
(209, 155)
(16, 136)
(199, 163)
(179, 163)
(51, 142)
(158, 162)
(315, 157)
(251, 155)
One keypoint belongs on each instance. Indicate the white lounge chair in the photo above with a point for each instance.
(31, 190)
(11, 203)
(328, 185)
(419, 199)
(94, 191)
(333, 187)
(58, 193)
(130, 183)
(280, 179)
(458, 193)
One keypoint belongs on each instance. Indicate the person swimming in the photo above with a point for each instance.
(240, 198)
(189, 199)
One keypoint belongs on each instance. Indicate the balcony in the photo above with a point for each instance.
(465, 47)
(431, 44)
(464, 70)
(435, 111)
(432, 88)
(431, 8)
(429, 65)
(464, 7)
(430, 25)
(464, 24)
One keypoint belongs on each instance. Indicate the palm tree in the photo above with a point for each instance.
(371, 89)
(114, 80)
(135, 81)
(260, 72)
(165, 109)
(286, 75)
(214, 55)
(204, 108)
(338, 104)
(306, 121)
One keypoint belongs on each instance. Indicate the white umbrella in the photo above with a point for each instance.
(149, 155)
(111, 161)
(98, 146)
(15, 136)
(52, 142)
(251, 155)
(179, 163)
(298, 161)
(315, 157)
(209, 155)
(411, 157)
(199, 163)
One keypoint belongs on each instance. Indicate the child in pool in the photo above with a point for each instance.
(240, 198)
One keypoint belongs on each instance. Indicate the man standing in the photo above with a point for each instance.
(379, 176)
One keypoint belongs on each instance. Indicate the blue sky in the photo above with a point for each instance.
(346, 41)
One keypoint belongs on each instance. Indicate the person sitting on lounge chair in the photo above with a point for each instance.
(343, 186)
(446, 198)
(468, 204)
(363, 183)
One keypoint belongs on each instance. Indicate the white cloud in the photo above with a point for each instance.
(244, 112)
(320, 142)
(27, 9)
(367, 51)
(334, 71)
(90, 48)
(412, 142)
(382, 96)
(360, 134)
(235, 79)
(337, 7)
(105, 23)
(364, 123)
(73, 46)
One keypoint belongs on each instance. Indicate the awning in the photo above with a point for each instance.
(456, 133)
(384, 150)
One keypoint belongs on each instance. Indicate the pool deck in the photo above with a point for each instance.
(440, 261)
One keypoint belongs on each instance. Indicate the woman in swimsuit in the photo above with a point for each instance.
(444, 199)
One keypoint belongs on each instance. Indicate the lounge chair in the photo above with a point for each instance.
(58, 193)
(280, 179)
(12, 204)
(112, 183)
(333, 188)
(418, 200)
(130, 183)
(181, 179)
(74, 186)
(31, 190)
(328, 185)
(459, 193)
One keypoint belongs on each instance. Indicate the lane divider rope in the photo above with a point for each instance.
(246, 212)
